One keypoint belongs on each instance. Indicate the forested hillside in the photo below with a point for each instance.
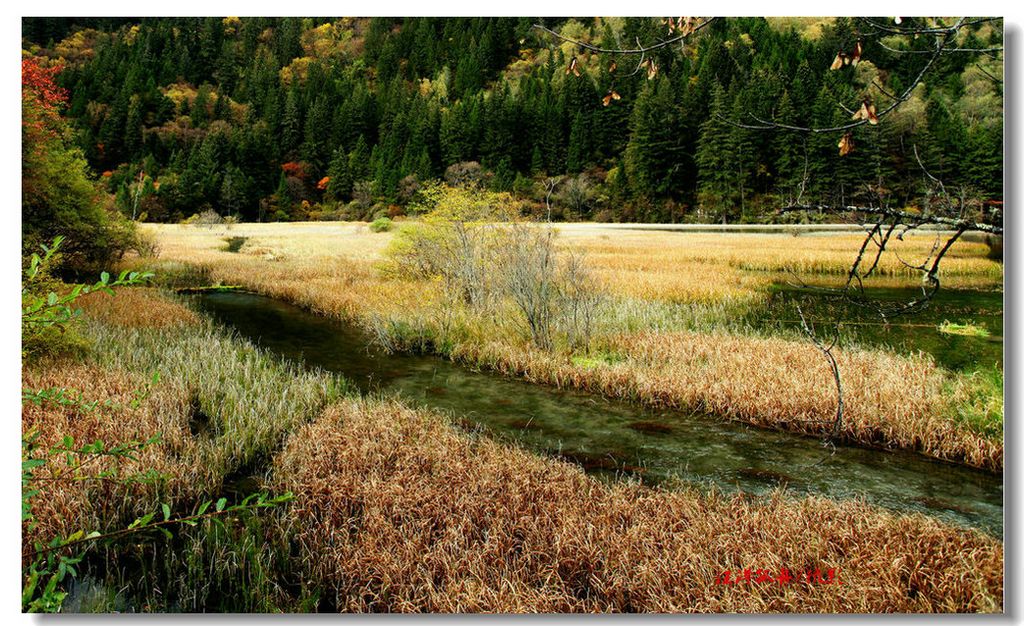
(312, 118)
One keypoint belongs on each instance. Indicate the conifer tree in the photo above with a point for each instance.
(340, 185)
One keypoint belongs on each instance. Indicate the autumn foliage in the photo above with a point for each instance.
(298, 169)
(41, 100)
(58, 196)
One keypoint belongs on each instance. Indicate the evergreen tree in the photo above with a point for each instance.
(315, 149)
(714, 159)
(654, 142)
(425, 93)
(340, 185)
(790, 150)
(133, 128)
(283, 198)
(291, 124)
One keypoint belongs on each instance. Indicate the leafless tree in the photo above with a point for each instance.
(554, 292)
(464, 173)
(577, 193)
(550, 184)
(579, 300)
(527, 268)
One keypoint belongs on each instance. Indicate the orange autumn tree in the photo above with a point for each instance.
(41, 100)
(57, 195)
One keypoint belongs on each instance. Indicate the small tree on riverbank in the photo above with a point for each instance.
(483, 255)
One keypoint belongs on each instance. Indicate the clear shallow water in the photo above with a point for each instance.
(613, 438)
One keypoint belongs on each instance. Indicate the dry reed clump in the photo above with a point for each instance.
(890, 401)
(398, 513)
(138, 308)
(64, 506)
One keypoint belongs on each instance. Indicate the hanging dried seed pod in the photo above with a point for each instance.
(573, 67)
(846, 144)
(611, 95)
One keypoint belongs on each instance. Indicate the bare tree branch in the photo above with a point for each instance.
(905, 216)
(826, 351)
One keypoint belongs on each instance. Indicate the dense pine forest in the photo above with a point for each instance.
(323, 118)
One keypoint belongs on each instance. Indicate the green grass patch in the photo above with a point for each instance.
(965, 330)
(234, 244)
(597, 359)
(978, 400)
(251, 397)
(381, 225)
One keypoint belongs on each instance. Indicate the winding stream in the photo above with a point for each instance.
(612, 438)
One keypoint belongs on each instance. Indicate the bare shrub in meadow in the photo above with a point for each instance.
(553, 292)
(526, 266)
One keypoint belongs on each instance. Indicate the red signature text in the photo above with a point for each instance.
(783, 576)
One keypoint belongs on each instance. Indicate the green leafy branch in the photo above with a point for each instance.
(49, 563)
(73, 455)
(54, 309)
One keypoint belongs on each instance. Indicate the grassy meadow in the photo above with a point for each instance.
(397, 510)
(671, 331)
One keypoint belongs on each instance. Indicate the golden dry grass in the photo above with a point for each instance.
(654, 265)
(137, 308)
(328, 268)
(397, 512)
(66, 505)
(890, 401)
(686, 267)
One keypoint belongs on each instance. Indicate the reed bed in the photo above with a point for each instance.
(712, 267)
(242, 400)
(137, 308)
(332, 267)
(807, 255)
(126, 411)
(221, 408)
(890, 401)
(329, 269)
(396, 512)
